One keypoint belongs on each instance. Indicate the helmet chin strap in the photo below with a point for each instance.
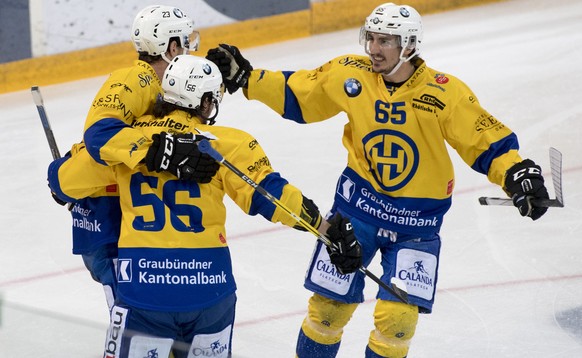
(212, 119)
(395, 69)
(402, 60)
(166, 58)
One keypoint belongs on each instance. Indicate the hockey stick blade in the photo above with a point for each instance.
(37, 98)
(205, 147)
(556, 172)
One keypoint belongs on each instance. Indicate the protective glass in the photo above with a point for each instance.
(218, 95)
(191, 42)
(385, 41)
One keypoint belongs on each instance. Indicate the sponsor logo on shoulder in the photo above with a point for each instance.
(253, 144)
(145, 79)
(359, 63)
(119, 84)
(441, 78)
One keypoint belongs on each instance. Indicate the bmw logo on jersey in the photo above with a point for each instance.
(392, 156)
(353, 87)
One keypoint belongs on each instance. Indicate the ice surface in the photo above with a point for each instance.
(509, 287)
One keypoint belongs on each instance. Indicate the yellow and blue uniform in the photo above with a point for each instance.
(396, 187)
(174, 270)
(172, 250)
(93, 224)
(127, 94)
(399, 174)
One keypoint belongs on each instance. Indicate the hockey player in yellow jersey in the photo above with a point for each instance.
(398, 181)
(159, 33)
(176, 290)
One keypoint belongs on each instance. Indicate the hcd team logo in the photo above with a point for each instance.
(393, 158)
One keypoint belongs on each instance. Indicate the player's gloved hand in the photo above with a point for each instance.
(179, 155)
(524, 183)
(345, 251)
(235, 69)
(309, 213)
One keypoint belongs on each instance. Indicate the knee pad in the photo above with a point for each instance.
(326, 319)
(395, 324)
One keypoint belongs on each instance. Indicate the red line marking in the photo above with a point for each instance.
(290, 314)
(303, 312)
(41, 276)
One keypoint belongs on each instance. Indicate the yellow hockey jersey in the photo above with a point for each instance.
(127, 94)
(173, 252)
(399, 175)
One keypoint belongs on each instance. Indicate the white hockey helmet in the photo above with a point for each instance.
(188, 79)
(399, 20)
(154, 26)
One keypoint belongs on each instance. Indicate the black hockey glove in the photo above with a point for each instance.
(345, 251)
(309, 213)
(524, 183)
(235, 69)
(179, 155)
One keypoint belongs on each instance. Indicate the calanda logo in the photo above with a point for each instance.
(416, 273)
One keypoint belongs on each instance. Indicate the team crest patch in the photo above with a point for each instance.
(353, 87)
(392, 157)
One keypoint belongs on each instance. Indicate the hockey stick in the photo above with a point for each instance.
(556, 171)
(37, 97)
(205, 147)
